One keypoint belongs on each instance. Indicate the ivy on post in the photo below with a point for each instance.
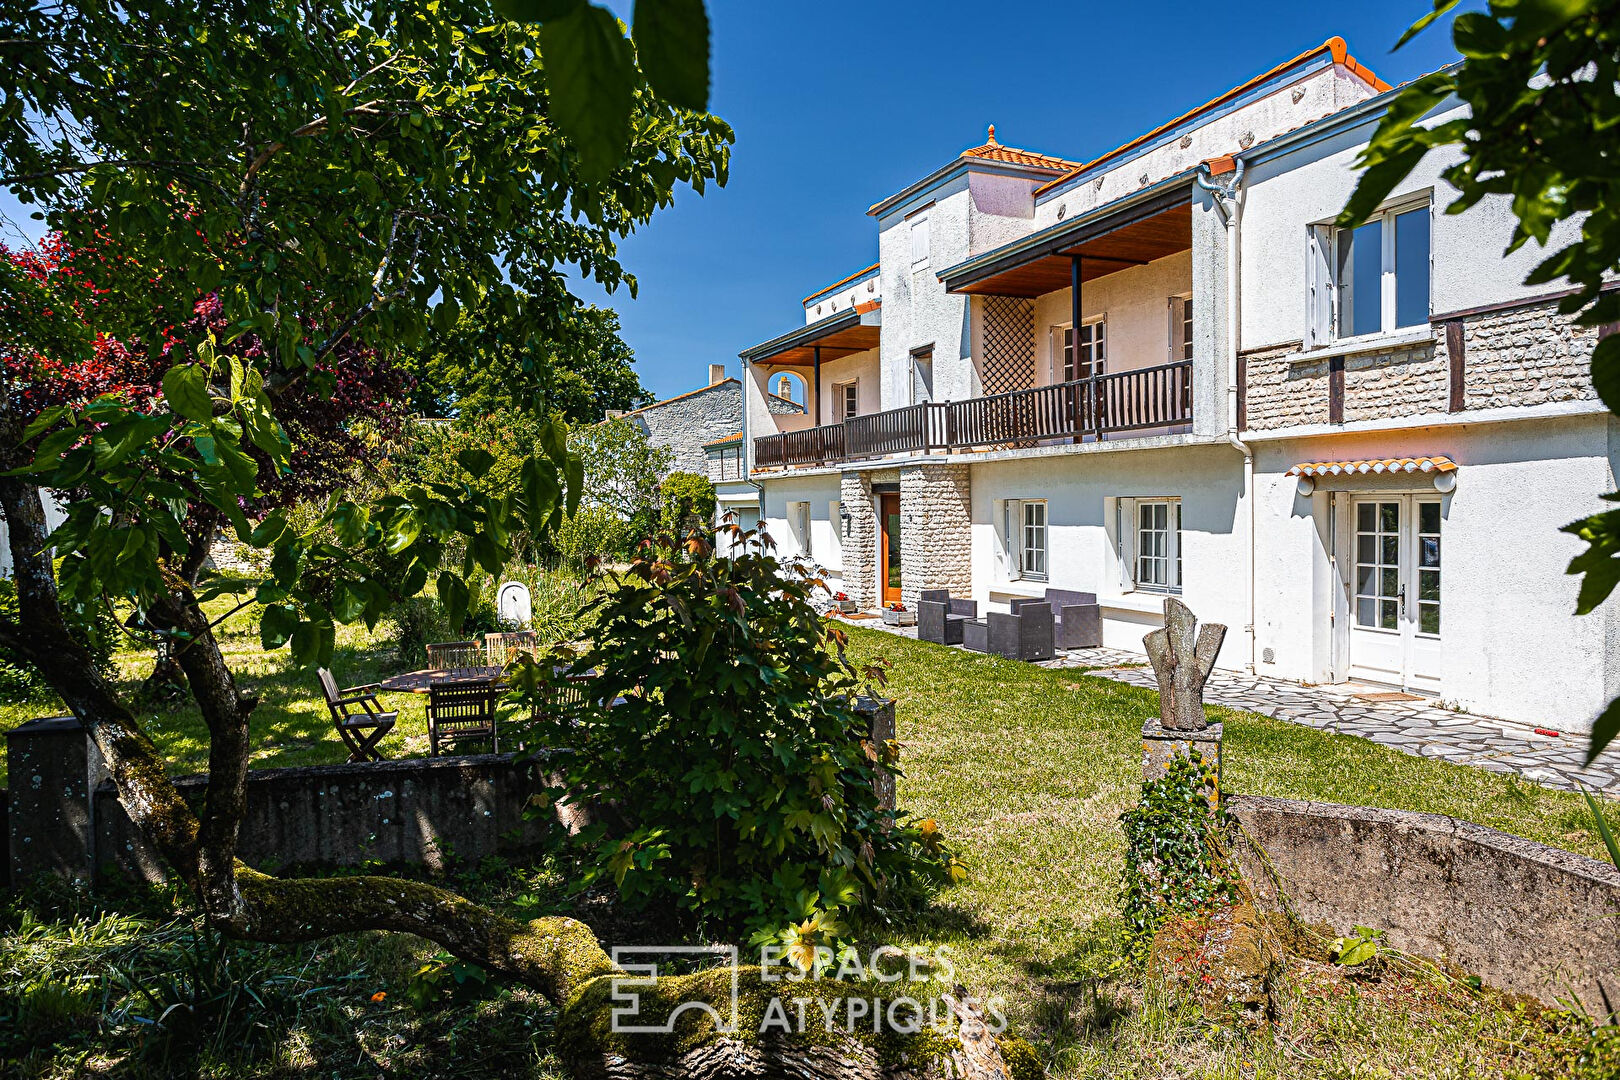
(1182, 654)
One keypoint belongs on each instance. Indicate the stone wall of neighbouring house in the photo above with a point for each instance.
(1518, 356)
(1522, 916)
(859, 542)
(936, 530)
(686, 423)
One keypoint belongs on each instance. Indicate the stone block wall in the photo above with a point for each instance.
(1518, 356)
(860, 539)
(687, 422)
(936, 530)
(1527, 356)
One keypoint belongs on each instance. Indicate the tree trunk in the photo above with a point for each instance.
(559, 957)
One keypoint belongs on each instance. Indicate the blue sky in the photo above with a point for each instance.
(837, 106)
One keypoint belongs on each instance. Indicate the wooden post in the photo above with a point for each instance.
(879, 713)
(816, 352)
(1182, 662)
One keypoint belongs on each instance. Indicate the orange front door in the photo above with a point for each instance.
(889, 546)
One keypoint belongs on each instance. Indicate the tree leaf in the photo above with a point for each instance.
(1440, 8)
(536, 10)
(277, 625)
(185, 388)
(476, 460)
(590, 75)
(672, 43)
(1602, 825)
(1606, 371)
(1604, 729)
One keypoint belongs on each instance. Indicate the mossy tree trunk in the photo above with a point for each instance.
(559, 957)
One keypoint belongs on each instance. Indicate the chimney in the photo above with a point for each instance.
(717, 373)
(614, 414)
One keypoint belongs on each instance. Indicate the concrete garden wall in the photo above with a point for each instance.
(1522, 916)
(65, 819)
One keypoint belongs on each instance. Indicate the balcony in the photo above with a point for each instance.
(1136, 400)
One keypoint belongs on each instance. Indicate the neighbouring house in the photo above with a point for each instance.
(1163, 370)
(703, 431)
(55, 514)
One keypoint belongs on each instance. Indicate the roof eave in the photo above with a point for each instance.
(810, 333)
(955, 167)
(1046, 241)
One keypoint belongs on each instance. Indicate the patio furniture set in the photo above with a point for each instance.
(1032, 629)
(462, 682)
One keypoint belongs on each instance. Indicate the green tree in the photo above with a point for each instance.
(688, 503)
(622, 470)
(328, 174)
(487, 364)
(1539, 78)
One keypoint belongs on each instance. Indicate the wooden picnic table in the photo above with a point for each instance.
(417, 682)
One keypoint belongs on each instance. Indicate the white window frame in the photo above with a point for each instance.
(841, 395)
(918, 230)
(1326, 288)
(1128, 539)
(1019, 559)
(1065, 363)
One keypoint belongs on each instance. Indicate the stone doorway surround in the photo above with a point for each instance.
(936, 531)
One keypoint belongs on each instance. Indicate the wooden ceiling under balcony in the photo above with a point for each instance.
(1107, 250)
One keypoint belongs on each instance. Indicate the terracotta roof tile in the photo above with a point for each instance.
(1437, 463)
(994, 151)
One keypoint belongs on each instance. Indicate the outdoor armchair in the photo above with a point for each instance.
(1024, 633)
(360, 720)
(940, 618)
(1079, 619)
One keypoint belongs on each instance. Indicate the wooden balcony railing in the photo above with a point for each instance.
(1124, 401)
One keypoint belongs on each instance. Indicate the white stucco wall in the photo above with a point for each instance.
(1081, 552)
(55, 514)
(1310, 185)
(1281, 108)
(863, 290)
(1512, 646)
(821, 492)
(1136, 303)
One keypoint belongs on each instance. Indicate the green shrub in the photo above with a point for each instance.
(1175, 857)
(688, 503)
(594, 531)
(20, 681)
(737, 773)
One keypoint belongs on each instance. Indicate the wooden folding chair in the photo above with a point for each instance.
(360, 731)
(462, 711)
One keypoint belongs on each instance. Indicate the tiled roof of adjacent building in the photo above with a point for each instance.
(734, 437)
(856, 276)
(1333, 46)
(994, 151)
(677, 397)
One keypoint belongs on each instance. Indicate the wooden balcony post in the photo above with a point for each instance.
(815, 352)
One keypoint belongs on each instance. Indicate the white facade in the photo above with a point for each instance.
(1237, 351)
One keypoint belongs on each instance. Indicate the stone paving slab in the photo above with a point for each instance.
(1412, 727)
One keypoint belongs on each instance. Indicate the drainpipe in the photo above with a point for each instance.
(748, 443)
(1229, 205)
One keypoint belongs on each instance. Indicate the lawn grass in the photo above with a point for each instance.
(1027, 770)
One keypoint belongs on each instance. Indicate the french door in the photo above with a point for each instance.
(1395, 611)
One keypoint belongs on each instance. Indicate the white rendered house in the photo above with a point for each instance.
(1163, 371)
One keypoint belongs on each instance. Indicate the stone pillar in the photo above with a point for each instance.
(54, 769)
(860, 540)
(879, 713)
(936, 530)
(1160, 746)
